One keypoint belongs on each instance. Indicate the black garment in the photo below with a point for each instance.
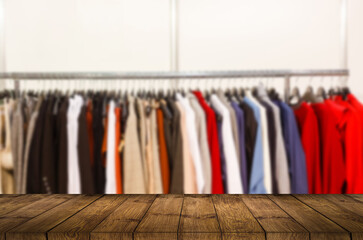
(271, 141)
(84, 158)
(250, 135)
(34, 181)
(167, 124)
(48, 153)
(62, 147)
(99, 173)
(177, 172)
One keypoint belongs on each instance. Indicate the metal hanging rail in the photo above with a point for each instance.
(171, 75)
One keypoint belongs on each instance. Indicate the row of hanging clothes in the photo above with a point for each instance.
(238, 140)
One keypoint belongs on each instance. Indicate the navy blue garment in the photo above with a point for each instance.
(221, 150)
(241, 137)
(294, 149)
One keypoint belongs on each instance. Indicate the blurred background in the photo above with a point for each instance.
(134, 35)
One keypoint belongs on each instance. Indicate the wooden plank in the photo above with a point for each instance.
(162, 217)
(37, 227)
(199, 236)
(122, 222)
(243, 236)
(81, 224)
(340, 215)
(319, 226)
(234, 216)
(156, 236)
(358, 197)
(9, 204)
(21, 215)
(198, 215)
(276, 223)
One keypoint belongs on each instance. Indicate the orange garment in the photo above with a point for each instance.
(104, 143)
(90, 131)
(117, 153)
(164, 161)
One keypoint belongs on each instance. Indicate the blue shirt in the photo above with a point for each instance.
(257, 175)
(241, 137)
(294, 149)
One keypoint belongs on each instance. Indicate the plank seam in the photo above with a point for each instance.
(350, 234)
(71, 216)
(133, 232)
(254, 216)
(219, 225)
(268, 196)
(35, 215)
(356, 200)
(181, 211)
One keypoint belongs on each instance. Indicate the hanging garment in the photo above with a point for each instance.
(310, 139)
(89, 121)
(48, 151)
(214, 149)
(349, 126)
(257, 182)
(233, 174)
(142, 133)
(233, 119)
(202, 140)
(118, 168)
(134, 182)
(241, 138)
(74, 176)
(163, 153)
(219, 120)
(84, 158)
(98, 133)
(193, 141)
(250, 136)
(158, 184)
(34, 159)
(189, 172)
(176, 148)
(333, 166)
(281, 168)
(17, 143)
(295, 151)
(111, 149)
(62, 147)
(265, 145)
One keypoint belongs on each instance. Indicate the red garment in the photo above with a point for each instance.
(333, 166)
(309, 132)
(217, 182)
(351, 127)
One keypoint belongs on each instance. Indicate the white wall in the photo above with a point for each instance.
(131, 35)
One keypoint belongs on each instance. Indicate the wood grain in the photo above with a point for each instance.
(276, 223)
(234, 216)
(163, 215)
(198, 215)
(32, 209)
(10, 203)
(37, 227)
(311, 220)
(124, 219)
(358, 197)
(81, 224)
(342, 216)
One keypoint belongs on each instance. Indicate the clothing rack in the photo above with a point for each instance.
(286, 74)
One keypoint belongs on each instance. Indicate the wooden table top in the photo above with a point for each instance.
(181, 217)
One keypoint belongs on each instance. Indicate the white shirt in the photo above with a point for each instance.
(111, 149)
(234, 181)
(74, 175)
(265, 146)
(282, 168)
(193, 141)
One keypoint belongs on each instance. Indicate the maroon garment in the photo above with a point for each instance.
(217, 183)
